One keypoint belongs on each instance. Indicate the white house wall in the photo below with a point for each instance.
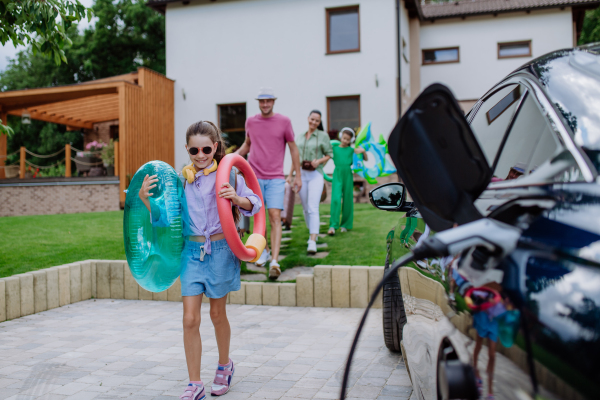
(405, 62)
(222, 52)
(478, 37)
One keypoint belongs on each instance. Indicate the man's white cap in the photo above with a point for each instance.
(266, 93)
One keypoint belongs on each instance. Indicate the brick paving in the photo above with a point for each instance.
(109, 349)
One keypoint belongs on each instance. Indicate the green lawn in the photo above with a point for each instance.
(35, 242)
(40, 241)
(363, 245)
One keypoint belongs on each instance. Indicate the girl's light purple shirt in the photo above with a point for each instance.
(202, 218)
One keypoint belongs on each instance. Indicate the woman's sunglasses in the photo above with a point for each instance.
(195, 150)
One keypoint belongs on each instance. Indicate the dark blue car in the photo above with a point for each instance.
(526, 155)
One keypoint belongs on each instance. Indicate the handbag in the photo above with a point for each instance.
(307, 164)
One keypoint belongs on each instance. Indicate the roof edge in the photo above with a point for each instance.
(160, 5)
(582, 4)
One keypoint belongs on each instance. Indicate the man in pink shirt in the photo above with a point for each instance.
(268, 134)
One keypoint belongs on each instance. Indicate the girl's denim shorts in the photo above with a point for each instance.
(215, 276)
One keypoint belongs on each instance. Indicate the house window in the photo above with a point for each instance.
(342, 111)
(232, 122)
(343, 33)
(441, 56)
(514, 49)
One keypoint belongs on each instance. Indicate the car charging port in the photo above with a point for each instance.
(480, 257)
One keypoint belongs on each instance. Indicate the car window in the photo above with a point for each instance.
(493, 117)
(533, 150)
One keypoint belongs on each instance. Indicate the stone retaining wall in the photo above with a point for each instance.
(33, 292)
(58, 199)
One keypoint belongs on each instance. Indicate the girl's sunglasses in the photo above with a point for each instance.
(195, 150)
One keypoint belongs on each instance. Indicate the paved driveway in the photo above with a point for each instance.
(108, 349)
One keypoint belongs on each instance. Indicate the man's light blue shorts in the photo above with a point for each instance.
(216, 276)
(273, 191)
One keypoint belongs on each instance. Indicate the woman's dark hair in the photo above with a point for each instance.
(320, 127)
(207, 128)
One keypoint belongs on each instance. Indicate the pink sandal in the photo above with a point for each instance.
(222, 381)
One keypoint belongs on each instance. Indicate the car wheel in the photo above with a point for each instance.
(455, 380)
(394, 316)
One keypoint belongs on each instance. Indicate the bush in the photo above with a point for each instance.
(58, 170)
(108, 153)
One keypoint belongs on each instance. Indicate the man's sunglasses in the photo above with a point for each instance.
(195, 150)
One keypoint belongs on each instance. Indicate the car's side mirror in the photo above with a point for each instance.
(390, 197)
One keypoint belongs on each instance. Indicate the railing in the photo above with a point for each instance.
(23, 162)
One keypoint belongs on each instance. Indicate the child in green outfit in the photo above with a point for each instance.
(342, 189)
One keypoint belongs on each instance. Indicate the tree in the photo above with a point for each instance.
(35, 21)
(5, 129)
(29, 70)
(127, 35)
(590, 31)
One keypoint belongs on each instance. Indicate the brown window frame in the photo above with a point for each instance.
(327, 30)
(219, 115)
(423, 62)
(352, 96)
(528, 42)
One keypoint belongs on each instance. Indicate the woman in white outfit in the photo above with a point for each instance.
(315, 150)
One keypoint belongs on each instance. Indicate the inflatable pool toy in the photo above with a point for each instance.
(482, 298)
(154, 250)
(383, 167)
(508, 327)
(256, 243)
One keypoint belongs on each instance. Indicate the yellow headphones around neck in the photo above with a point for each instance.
(189, 171)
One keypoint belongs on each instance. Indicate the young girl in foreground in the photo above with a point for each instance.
(208, 266)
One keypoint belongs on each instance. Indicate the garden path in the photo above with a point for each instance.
(108, 349)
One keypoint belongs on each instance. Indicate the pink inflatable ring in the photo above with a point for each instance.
(256, 243)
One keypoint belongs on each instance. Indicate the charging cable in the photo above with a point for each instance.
(491, 240)
(397, 264)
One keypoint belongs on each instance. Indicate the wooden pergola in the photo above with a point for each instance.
(142, 102)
